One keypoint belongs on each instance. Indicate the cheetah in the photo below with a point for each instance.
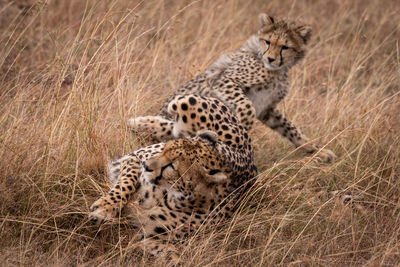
(250, 81)
(186, 182)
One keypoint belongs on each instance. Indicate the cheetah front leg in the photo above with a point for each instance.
(107, 208)
(156, 127)
(276, 121)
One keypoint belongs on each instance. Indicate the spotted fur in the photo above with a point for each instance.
(251, 81)
(186, 182)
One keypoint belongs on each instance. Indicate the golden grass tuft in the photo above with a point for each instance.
(73, 72)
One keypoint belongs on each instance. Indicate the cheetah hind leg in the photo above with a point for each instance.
(156, 127)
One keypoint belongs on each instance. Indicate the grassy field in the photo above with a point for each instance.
(73, 72)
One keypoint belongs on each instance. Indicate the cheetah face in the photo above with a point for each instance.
(190, 162)
(281, 43)
(159, 170)
(275, 51)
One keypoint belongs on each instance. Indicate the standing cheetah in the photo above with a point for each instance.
(251, 81)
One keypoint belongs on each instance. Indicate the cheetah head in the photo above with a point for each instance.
(281, 43)
(193, 161)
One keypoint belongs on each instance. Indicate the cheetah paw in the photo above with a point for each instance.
(137, 123)
(102, 211)
(147, 123)
(140, 126)
(155, 127)
(325, 156)
(321, 155)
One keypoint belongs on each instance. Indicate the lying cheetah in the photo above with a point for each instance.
(251, 81)
(186, 182)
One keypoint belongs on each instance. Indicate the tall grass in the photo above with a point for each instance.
(73, 72)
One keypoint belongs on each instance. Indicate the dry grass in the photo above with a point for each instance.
(72, 73)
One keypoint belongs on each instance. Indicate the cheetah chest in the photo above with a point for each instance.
(266, 97)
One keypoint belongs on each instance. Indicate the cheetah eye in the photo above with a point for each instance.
(267, 42)
(284, 47)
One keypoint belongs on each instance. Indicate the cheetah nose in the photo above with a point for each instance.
(270, 59)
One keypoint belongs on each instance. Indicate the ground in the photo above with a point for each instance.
(73, 72)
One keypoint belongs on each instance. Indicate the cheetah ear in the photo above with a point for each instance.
(208, 135)
(266, 20)
(304, 32)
